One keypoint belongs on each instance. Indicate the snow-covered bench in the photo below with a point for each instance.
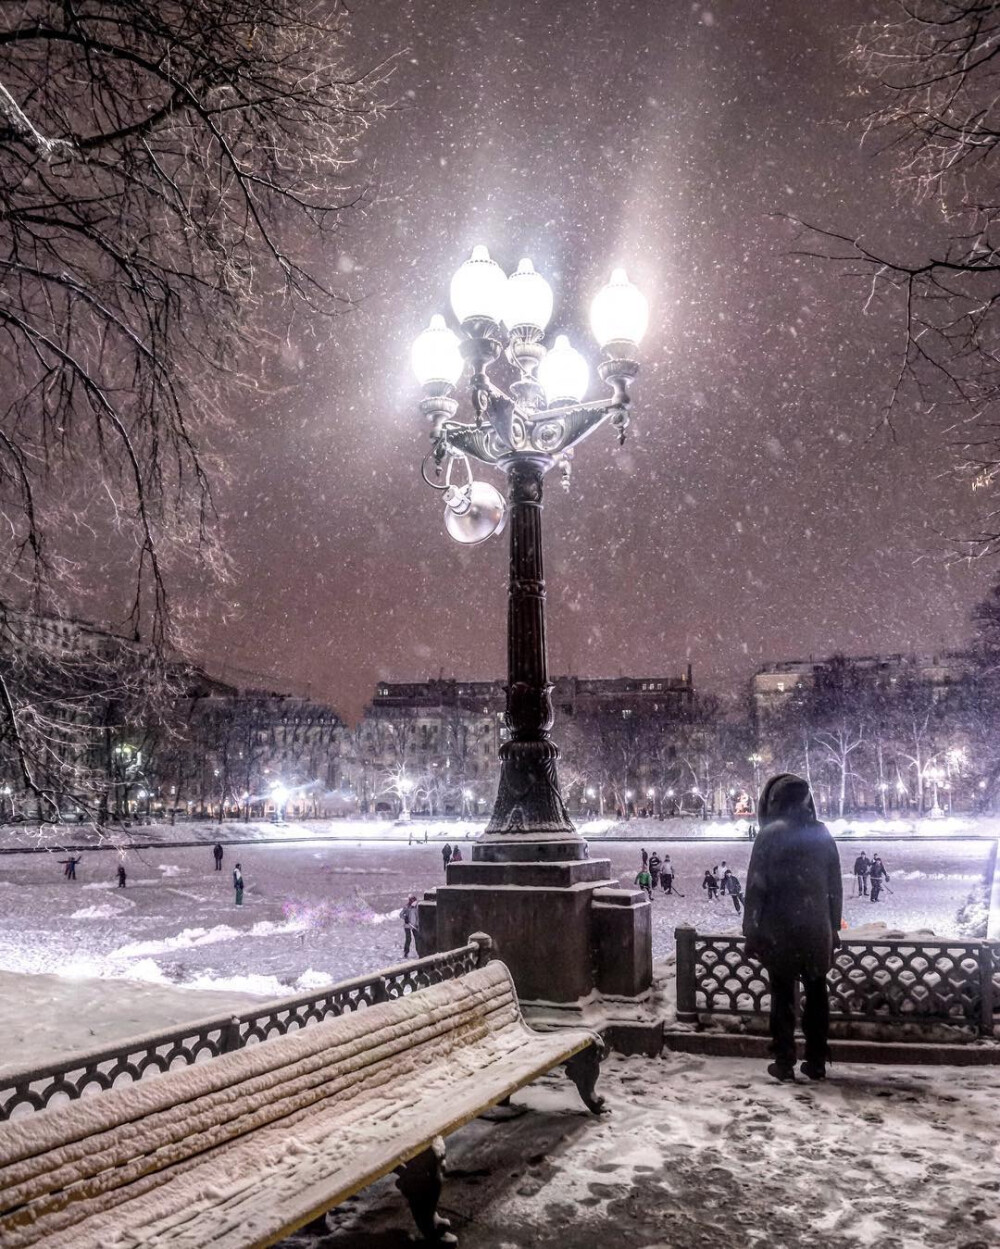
(246, 1148)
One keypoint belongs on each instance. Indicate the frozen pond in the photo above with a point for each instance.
(325, 911)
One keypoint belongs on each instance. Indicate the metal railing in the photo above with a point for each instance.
(93, 1071)
(892, 980)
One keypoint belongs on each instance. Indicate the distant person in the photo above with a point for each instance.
(667, 875)
(655, 866)
(794, 900)
(751, 831)
(69, 868)
(121, 875)
(238, 884)
(456, 855)
(878, 876)
(710, 882)
(862, 866)
(645, 881)
(410, 915)
(731, 886)
(446, 854)
(217, 855)
(645, 858)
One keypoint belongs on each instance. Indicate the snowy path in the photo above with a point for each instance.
(708, 1153)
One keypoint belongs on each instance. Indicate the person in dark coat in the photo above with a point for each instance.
(217, 855)
(655, 864)
(794, 901)
(69, 870)
(446, 853)
(711, 883)
(121, 876)
(456, 855)
(862, 866)
(645, 858)
(238, 884)
(731, 886)
(877, 875)
(411, 923)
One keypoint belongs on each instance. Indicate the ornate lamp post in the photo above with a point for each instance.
(525, 434)
(557, 917)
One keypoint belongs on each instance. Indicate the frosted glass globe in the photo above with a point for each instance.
(619, 312)
(527, 299)
(479, 287)
(563, 373)
(435, 355)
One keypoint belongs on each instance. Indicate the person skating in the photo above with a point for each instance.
(217, 855)
(878, 877)
(655, 867)
(645, 881)
(862, 866)
(645, 858)
(121, 875)
(794, 903)
(238, 884)
(456, 855)
(731, 886)
(446, 854)
(69, 869)
(711, 883)
(667, 875)
(410, 915)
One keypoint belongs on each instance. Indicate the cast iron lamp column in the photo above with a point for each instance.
(525, 434)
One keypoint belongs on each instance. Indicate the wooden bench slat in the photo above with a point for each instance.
(323, 1112)
(193, 1124)
(321, 1168)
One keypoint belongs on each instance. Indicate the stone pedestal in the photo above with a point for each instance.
(562, 927)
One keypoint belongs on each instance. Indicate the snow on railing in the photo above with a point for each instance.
(93, 1071)
(910, 980)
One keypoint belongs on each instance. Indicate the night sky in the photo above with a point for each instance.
(749, 517)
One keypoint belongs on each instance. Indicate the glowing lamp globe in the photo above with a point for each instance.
(474, 512)
(528, 299)
(435, 356)
(619, 313)
(563, 374)
(478, 289)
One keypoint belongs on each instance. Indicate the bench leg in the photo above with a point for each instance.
(583, 1069)
(420, 1183)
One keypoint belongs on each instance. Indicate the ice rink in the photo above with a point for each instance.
(324, 911)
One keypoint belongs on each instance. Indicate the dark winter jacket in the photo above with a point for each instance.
(794, 891)
(731, 884)
(654, 864)
(710, 882)
(877, 870)
(861, 865)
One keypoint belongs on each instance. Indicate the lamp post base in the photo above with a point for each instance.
(563, 927)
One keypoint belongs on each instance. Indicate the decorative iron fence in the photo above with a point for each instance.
(894, 980)
(90, 1072)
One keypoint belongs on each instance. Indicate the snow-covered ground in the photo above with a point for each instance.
(709, 1153)
(314, 913)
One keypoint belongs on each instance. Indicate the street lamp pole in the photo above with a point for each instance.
(525, 434)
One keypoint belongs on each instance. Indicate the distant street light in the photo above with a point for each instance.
(525, 434)
(279, 796)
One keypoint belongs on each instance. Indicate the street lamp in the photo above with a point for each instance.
(524, 433)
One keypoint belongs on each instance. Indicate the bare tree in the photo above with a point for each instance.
(165, 168)
(932, 70)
